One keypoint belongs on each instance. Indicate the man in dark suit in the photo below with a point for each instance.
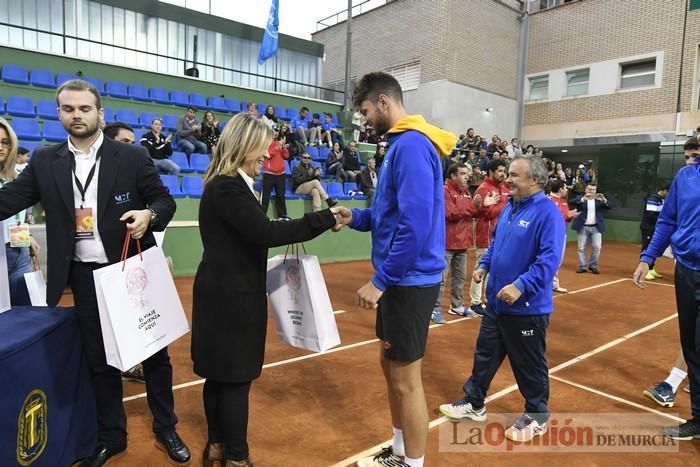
(590, 226)
(93, 189)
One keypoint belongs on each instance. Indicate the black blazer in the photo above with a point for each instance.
(127, 180)
(229, 313)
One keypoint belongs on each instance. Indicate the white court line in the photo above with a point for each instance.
(352, 346)
(439, 421)
(618, 399)
(337, 312)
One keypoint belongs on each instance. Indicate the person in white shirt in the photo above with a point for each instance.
(590, 226)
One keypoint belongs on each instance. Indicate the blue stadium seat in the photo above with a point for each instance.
(138, 134)
(97, 82)
(139, 92)
(180, 158)
(20, 106)
(323, 154)
(172, 183)
(217, 103)
(54, 132)
(46, 108)
(291, 113)
(233, 105)
(14, 74)
(109, 114)
(289, 192)
(199, 162)
(179, 98)
(2, 106)
(146, 118)
(313, 152)
(199, 101)
(42, 78)
(261, 108)
(160, 95)
(127, 116)
(30, 145)
(170, 122)
(257, 186)
(280, 112)
(352, 186)
(116, 89)
(335, 190)
(192, 186)
(62, 77)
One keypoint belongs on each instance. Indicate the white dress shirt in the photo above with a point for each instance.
(590, 215)
(249, 181)
(88, 250)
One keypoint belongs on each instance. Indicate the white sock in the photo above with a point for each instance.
(675, 378)
(415, 462)
(397, 443)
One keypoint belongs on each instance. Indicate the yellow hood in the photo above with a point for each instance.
(444, 141)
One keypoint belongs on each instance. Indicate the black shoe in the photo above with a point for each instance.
(594, 270)
(580, 270)
(174, 447)
(331, 202)
(685, 431)
(134, 374)
(478, 309)
(101, 455)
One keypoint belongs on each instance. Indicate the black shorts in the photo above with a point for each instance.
(403, 317)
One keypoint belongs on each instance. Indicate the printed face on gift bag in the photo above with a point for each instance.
(293, 281)
(136, 283)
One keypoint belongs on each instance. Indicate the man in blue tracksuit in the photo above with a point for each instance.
(679, 225)
(521, 262)
(407, 221)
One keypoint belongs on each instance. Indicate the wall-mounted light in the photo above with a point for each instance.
(564, 150)
(489, 109)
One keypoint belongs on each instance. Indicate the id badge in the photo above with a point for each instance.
(19, 236)
(84, 223)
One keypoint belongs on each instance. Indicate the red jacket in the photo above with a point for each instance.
(563, 207)
(488, 216)
(459, 212)
(275, 165)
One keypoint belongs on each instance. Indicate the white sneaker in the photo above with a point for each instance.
(525, 428)
(561, 289)
(461, 409)
(459, 311)
(385, 458)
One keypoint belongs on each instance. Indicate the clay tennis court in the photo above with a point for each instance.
(607, 341)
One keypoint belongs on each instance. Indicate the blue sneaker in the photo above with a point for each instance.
(437, 316)
(662, 394)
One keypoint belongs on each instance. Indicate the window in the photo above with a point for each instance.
(407, 75)
(539, 87)
(638, 74)
(577, 82)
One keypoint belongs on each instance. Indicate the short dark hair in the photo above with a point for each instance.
(80, 85)
(373, 84)
(192, 107)
(21, 150)
(692, 144)
(303, 109)
(329, 114)
(112, 129)
(156, 119)
(556, 185)
(494, 164)
(665, 187)
(317, 115)
(453, 168)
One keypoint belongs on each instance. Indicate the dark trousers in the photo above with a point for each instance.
(688, 303)
(646, 240)
(523, 340)
(278, 183)
(106, 380)
(226, 409)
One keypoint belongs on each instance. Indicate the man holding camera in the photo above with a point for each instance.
(590, 226)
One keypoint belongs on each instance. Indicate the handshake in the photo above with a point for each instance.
(342, 215)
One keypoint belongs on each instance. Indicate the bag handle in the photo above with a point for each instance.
(295, 250)
(125, 249)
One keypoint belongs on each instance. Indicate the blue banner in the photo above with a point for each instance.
(268, 48)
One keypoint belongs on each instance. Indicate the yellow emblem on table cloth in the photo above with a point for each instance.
(32, 429)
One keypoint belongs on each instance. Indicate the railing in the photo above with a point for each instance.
(277, 84)
(341, 16)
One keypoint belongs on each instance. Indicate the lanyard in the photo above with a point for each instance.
(83, 189)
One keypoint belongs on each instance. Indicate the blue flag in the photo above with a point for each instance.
(268, 48)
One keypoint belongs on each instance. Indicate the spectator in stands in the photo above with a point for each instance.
(351, 163)
(558, 194)
(368, 180)
(188, 131)
(357, 126)
(160, 148)
(559, 171)
(304, 134)
(653, 203)
(306, 182)
(455, 157)
(579, 182)
(494, 146)
(592, 176)
(334, 162)
(379, 155)
(514, 149)
(17, 254)
(22, 159)
(269, 117)
(530, 150)
(315, 124)
(483, 160)
(274, 169)
(329, 130)
(121, 132)
(211, 131)
(590, 226)
(469, 142)
(252, 109)
(494, 184)
(569, 177)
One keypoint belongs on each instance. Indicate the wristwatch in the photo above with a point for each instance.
(154, 217)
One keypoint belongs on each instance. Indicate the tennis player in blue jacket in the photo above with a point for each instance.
(521, 262)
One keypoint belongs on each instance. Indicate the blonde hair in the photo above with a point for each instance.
(7, 167)
(243, 135)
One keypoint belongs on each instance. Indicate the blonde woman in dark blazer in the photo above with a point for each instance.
(229, 317)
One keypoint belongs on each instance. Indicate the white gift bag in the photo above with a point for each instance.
(36, 285)
(4, 283)
(301, 307)
(140, 310)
